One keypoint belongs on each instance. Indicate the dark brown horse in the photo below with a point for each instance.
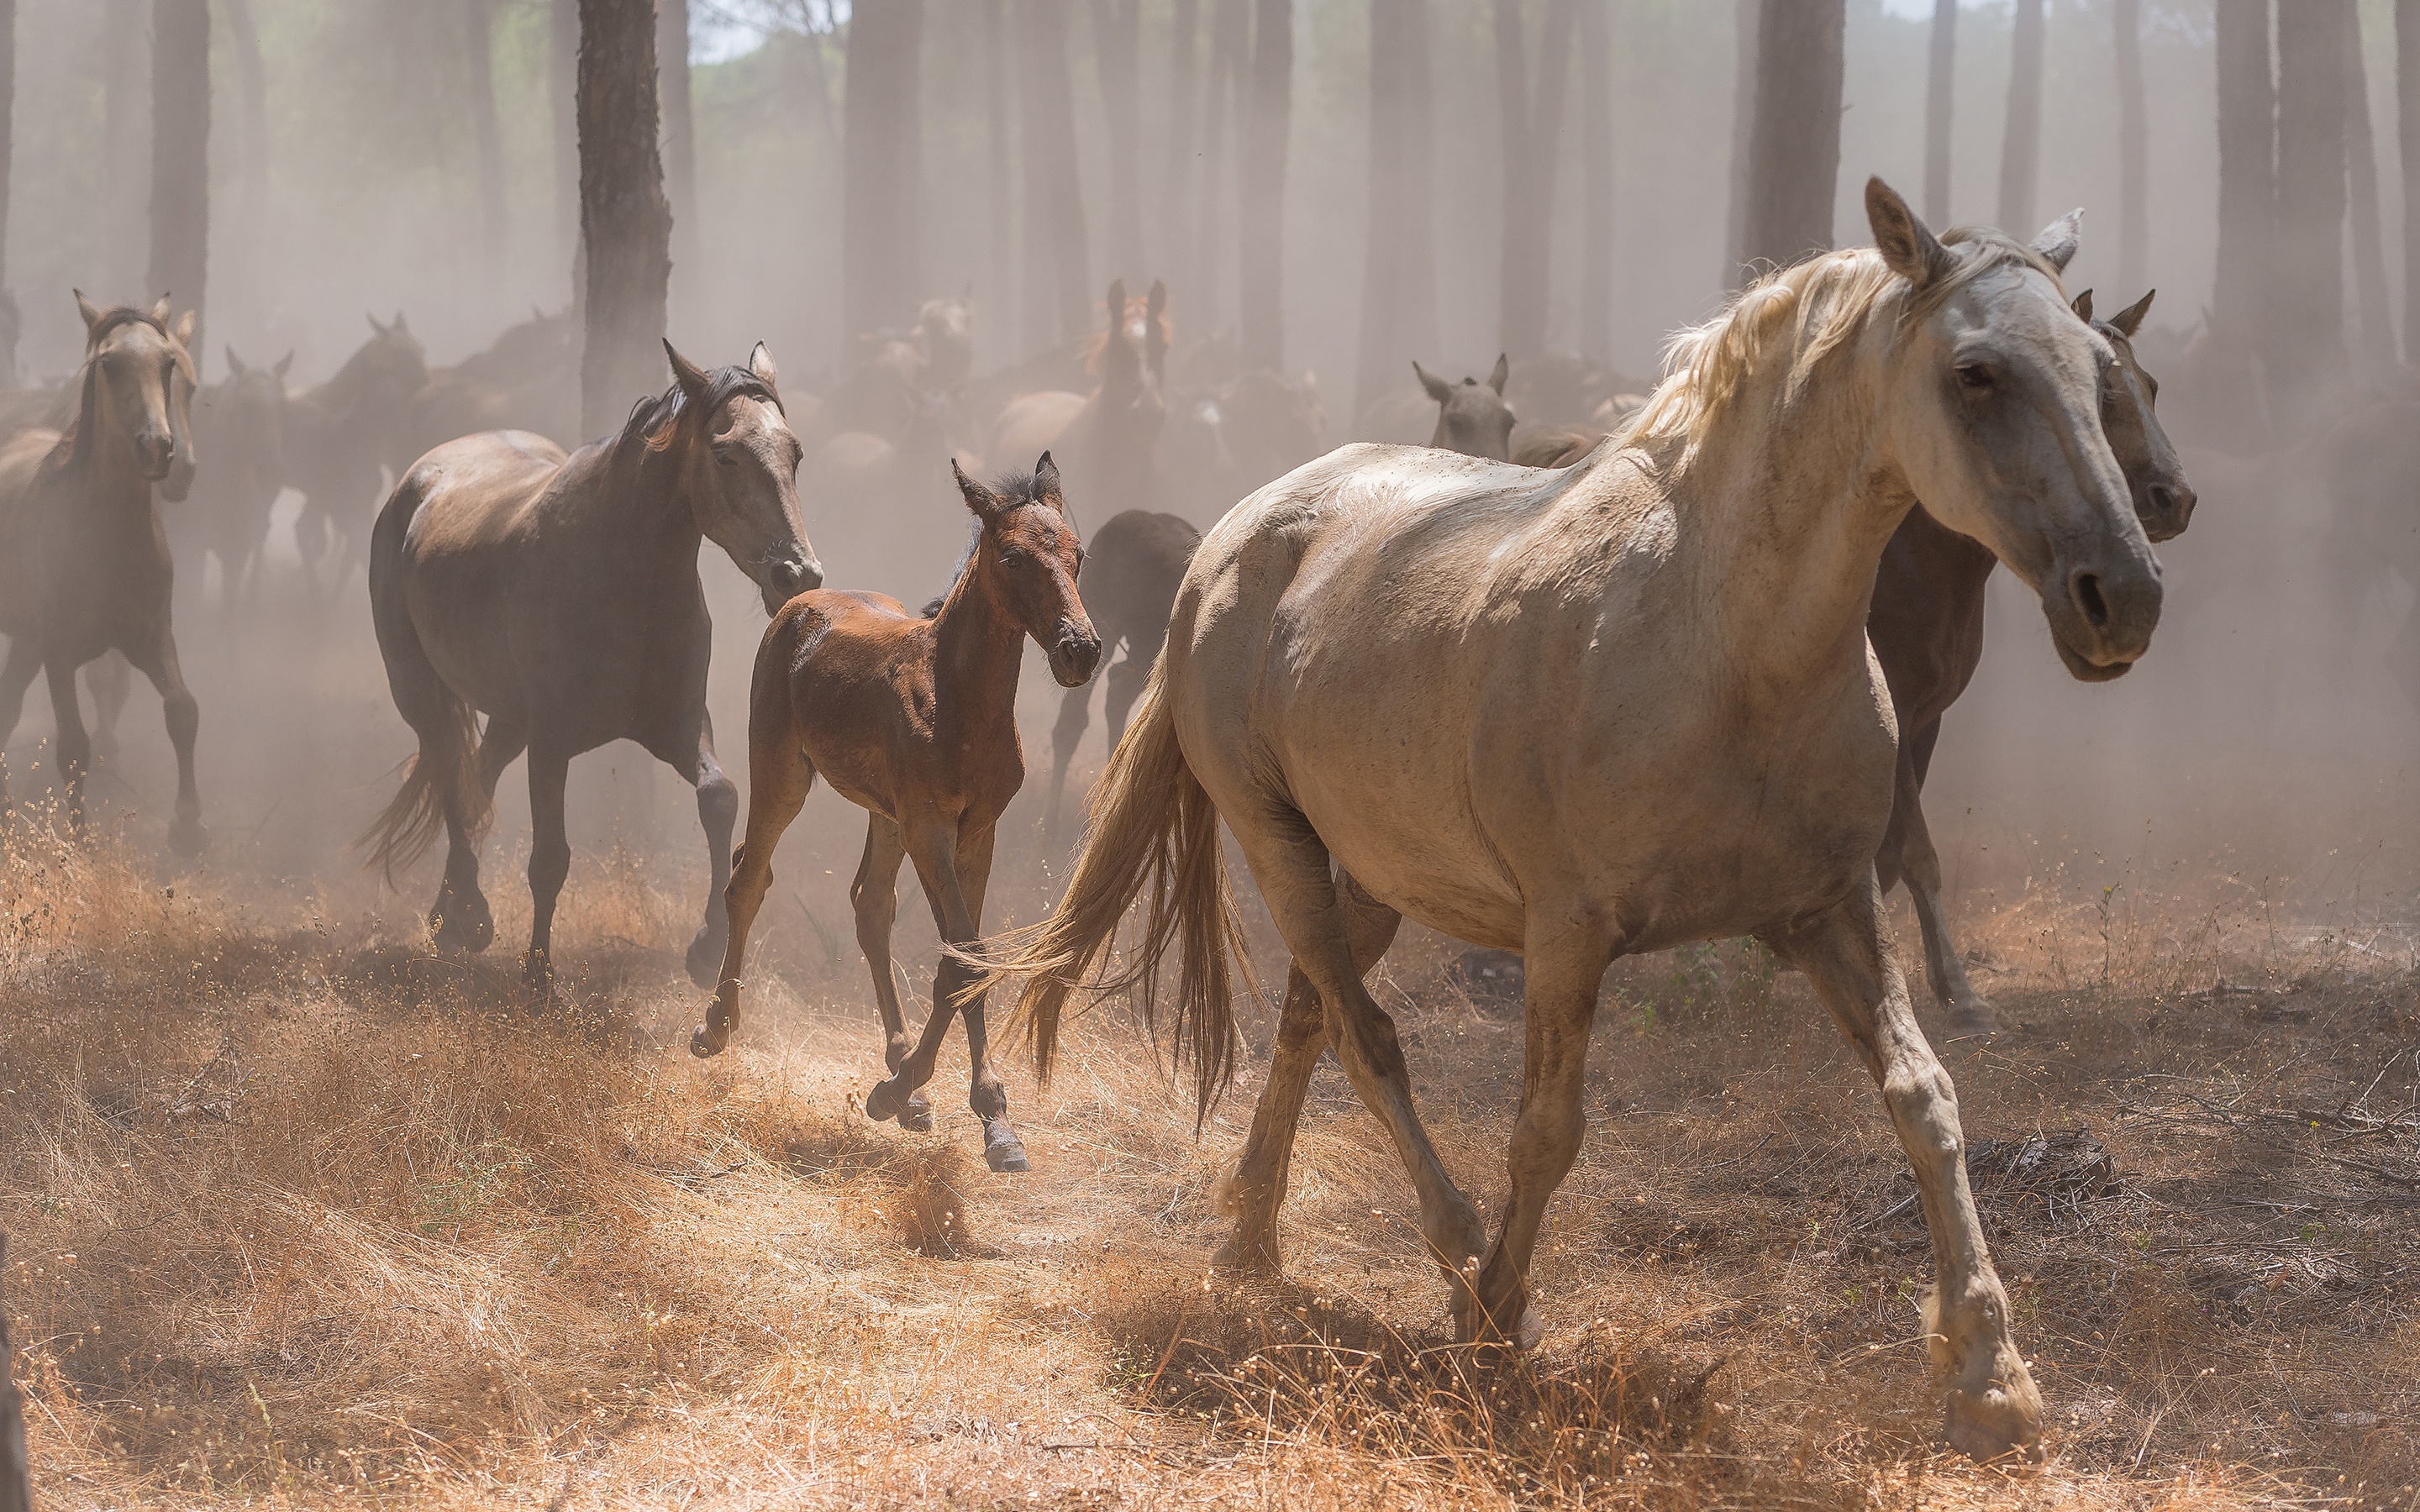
(84, 568)
(527, 379)
(560, 597)
(239, 424)
(1131, 572)
(344, 437)
(913, 719)
(1927, 629)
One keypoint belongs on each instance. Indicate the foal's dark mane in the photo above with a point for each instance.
(74, 446)
(1016, 487)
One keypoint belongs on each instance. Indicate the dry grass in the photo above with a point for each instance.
(304, 1216)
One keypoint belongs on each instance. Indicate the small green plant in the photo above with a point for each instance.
(446, 1207)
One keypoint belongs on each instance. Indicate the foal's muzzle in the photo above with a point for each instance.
(1075, 654)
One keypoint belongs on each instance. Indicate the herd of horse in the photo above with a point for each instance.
(1602, 668)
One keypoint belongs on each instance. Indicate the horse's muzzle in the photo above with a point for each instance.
(2166, 509)
(1075, 654)
(787, 577)
(155, 450)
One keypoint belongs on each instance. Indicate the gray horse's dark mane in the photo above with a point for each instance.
(654, 421)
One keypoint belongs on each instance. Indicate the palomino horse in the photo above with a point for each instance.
(914, 720)
(1927, 627)
(1527, 709)
(344, 437)
(560, 597)
(1109, 439)
(1131, 572)
(84, 568)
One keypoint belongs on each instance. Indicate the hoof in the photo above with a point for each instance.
(886, 1101)
(537, 974)
(1970, 1018)
(705, 960)
(1995, 1424)
(186, 836)
(1249, 1255)
(706, 1044)
(917, 1117)
(461, 923)
(1002, 1151)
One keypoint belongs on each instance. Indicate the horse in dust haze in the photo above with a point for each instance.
(527, 379)
(84, 568)
(1132, 569)
(1472, 417)
(944, 338)
(239, 426)
(344, 437)
(913, 719)
(1108, 441)
(1927, 627)
(560, 597)
(1615, 708)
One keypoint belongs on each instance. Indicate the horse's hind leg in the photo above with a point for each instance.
(1255, 1190)
(184, 716)
(717, 812)
(1074, 713)
(1969, 1014)
(460, 919)
(1993, 1404)
(779, 777)
(1126, 681)
(874, 898)
(550, 860)
(75, 747)
(112, 685)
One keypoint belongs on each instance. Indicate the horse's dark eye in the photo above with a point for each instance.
(1975, 377)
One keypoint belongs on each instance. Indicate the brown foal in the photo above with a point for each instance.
(914, 720)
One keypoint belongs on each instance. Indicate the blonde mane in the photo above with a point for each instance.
(1801, 315)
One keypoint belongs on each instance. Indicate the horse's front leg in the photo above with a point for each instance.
(718, 812)
(1993, 1406)
(986, 1096)
(74, 745)
(111, 687)
(550, 861)
(1969, 1013)
(874, 898)
(186, 836)
(16, 676)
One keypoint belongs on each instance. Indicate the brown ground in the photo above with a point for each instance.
(301, 1214)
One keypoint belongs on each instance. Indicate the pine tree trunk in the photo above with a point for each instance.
(625, 223)
(1794, 151)
(2304, 350)
(1058, 270)
(2133, 150)
(563, 105)
(881, 154)
(479, 35)
(16, 1476)
(679, 146)
(1398, 271)
(125, 199)
(2373, 326)
(1000, 278)
(1749, 20)
(2407, 128)
(9, 321)
(181, 151)
(1940, 88)
(239, 285)
(2020, 139)
(1596, 179)
(1261, 262)
(1532, 143)
(2247, 169)
(1231, 42)
(1117, 59)
(1176, 176)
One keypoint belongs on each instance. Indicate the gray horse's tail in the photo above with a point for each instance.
(1152, 824)
(445, 771)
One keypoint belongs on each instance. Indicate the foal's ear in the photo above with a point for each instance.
(1046, 486)
(2058, 240)
(2083, 307)
(980, 500)
(760, 361)
(91, 311)
(1909, 248)
(1438, 388)
(2129, 320)
(1503, 370)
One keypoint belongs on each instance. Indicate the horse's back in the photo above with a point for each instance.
(472, 493)
(1032, 424)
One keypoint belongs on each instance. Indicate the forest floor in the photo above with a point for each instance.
(300, 1214)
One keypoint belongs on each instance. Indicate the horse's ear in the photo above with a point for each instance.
(283, 364)
(1159, 301)
(159, 310)
(690, 378)
(374, 322)
(1909, 248)
(981, 502)
(234, 363)
(1438, 388)
(2058, 240)
(399, 327)
(91, 311)
(2129, 320)
(1047, 488)
(760, 361)
(1117, 305)
(184, 332)
(1503, 371)
(2082, 305)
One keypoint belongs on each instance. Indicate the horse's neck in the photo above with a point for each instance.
(652, 514)
(978, 648)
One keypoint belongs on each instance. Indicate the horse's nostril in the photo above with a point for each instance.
(2089, 599)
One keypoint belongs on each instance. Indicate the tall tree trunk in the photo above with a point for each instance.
(240, 283)
(1794, 157)
(16, 1476)
(2373, 326)
(1176, 176)
(562, 102)
(2133, 150)
(1231, 42)
(1117, 58)
(479, 37)
(180, 152)
(2247, 170)
(1261, 262)
(1596, 179)
(1057, 277)
(2407, 128)
(2305, 351)
(2020, 139)
(624, 225)
(1940, 87)
(1532, 143)
(881, 153)
(1399, 269)
(126, 193)
(1000, 280)
(679, 139)
(9, 321)
(1748, 20)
